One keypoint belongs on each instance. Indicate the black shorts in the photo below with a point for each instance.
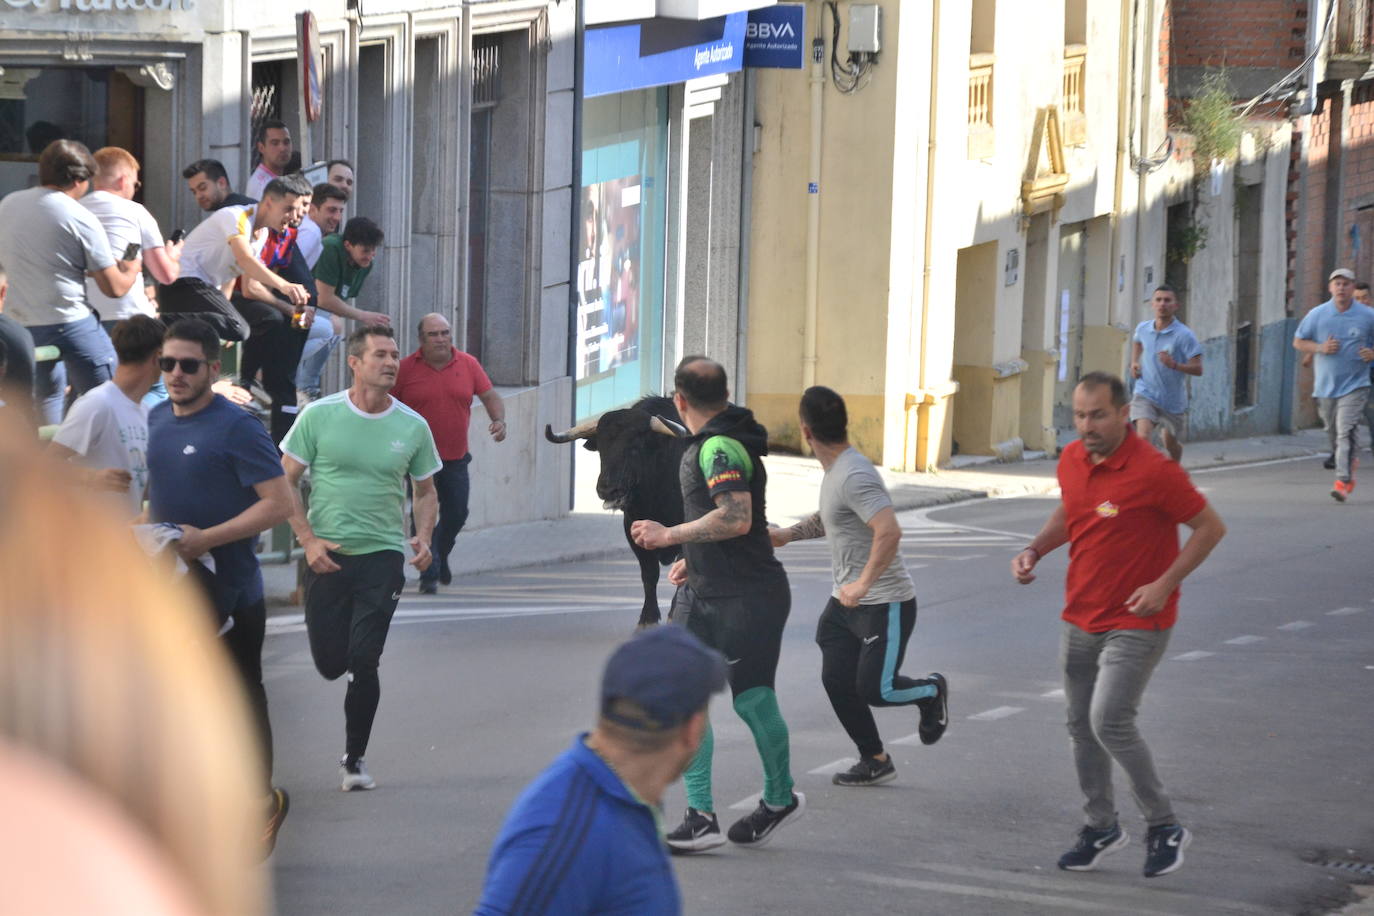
(348, 613)
(746, 629)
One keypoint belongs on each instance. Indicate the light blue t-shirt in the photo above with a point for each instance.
(1342, 372)
(1166, 388)
(47, 243)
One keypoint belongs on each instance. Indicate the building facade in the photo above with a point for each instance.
(983, 217)
(458, 119)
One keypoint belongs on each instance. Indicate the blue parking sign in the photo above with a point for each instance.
(775, 37)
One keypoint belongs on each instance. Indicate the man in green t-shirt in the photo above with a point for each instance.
(343, 266)
(360, 445)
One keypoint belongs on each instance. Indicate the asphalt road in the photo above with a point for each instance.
(1259, 719)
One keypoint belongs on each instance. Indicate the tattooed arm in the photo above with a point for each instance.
(804, 530)
(731, 518)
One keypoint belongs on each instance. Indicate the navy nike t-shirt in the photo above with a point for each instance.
(201, 472)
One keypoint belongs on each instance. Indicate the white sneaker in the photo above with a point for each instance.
(354, 775)
(303, 398)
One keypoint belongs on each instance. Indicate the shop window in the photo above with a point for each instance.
(618, 334)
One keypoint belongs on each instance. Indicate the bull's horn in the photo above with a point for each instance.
(580, 431)
(667, 427)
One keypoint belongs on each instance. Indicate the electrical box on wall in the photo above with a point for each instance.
(865, 28)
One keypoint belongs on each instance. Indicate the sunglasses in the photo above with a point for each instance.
(188, 365)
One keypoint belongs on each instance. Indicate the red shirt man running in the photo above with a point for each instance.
(438, 382)
(1121, 507)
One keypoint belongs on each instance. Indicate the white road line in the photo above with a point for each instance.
(912, 739)
(834, 766)
(1055, 694)
(991, 893)
(999, 712)
(747, 804)
(1193, 656)
(1296, 625)
(1244, 640)
(1345, 611)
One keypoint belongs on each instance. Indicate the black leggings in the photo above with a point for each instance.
(861, 649)
(244, 642)
(347, 617)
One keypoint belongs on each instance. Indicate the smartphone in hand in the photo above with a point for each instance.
(131, 252)
(177, 236)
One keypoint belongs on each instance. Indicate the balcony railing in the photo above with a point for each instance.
(1072, 106)
(981, 143)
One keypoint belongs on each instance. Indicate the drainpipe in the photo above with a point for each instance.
(1123, 101)
(922, 401)
(813, 210)
(746, 231)
(575, 229)
(1140, 71)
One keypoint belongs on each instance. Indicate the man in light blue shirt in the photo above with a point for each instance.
(1165, 350)
(1340, 333)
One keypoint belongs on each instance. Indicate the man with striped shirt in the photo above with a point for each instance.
(864, 629)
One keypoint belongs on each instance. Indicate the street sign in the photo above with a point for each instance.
(312, 82)
(774, 37)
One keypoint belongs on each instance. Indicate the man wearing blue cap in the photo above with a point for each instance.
(585, 836)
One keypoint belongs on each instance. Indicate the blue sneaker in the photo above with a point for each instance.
(1093, 844)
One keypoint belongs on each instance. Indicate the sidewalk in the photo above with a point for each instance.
(590, 532)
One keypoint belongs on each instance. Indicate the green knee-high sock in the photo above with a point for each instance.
(697, 776)
(759, 710)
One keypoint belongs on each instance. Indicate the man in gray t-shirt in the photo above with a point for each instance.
(865, 626)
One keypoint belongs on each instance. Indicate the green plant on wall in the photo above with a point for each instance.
(1186, 241)
(1212, 121)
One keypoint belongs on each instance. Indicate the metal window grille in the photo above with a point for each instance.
(266, 104)
(486, 71)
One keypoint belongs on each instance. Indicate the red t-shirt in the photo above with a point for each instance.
(1123, 516)
(443, 397)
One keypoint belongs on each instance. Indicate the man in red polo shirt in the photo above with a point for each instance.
(1120, 510)
(438, 381)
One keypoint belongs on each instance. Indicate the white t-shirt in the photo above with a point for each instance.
(258, 181)
(125, 221)
(310, 240)
(108, 430)
(47, 243)
(206, 254)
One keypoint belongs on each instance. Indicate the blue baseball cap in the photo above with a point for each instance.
(665, 673)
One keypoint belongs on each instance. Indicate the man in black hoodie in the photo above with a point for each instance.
(732, 593)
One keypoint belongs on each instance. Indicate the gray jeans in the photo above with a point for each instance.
(1342, 418)
(1104, 677)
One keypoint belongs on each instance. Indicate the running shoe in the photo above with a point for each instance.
(1164, 847)
(869, 771)
(278, 804)
(1341, 489)
(355, 775)
(934, 710)
(1092, 845)
(445, 574)
(429, 587)
(756, 828)
(1330, 463)
(698, 832)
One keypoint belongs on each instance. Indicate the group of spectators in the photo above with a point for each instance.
(275, 271)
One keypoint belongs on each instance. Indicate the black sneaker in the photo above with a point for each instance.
(445, 574)
(429, 587)
(756, 828)
(698, 832)
(1092, 845)
(869, 771)
(1330, 463)
(934, 711)
(1164, 847)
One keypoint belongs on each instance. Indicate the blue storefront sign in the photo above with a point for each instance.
(657, 52)
(774, 37)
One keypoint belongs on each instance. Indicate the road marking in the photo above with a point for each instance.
(1055, 694)
(999, 712)
(1193, 656)
(911, 739)
(1244, 640)
(747, 804)
(1044, 882)
(1296, 625)
(990, 893)
(1345, 611)
(834, 766)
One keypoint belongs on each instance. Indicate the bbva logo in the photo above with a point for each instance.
(766, 30)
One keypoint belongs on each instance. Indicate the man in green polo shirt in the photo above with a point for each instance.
(360, 445)
(345, 261)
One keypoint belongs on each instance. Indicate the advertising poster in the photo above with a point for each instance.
(608, 319)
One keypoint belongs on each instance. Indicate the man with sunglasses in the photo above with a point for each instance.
(213, 470)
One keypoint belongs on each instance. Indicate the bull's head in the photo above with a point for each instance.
(621, 438)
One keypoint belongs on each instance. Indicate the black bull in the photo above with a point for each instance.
(640, 456)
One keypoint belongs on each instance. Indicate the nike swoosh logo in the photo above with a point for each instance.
(1173, 841)
(396, 597)
(870, 639)
(731, 661)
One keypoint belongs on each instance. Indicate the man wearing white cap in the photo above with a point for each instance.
(1341, 336)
